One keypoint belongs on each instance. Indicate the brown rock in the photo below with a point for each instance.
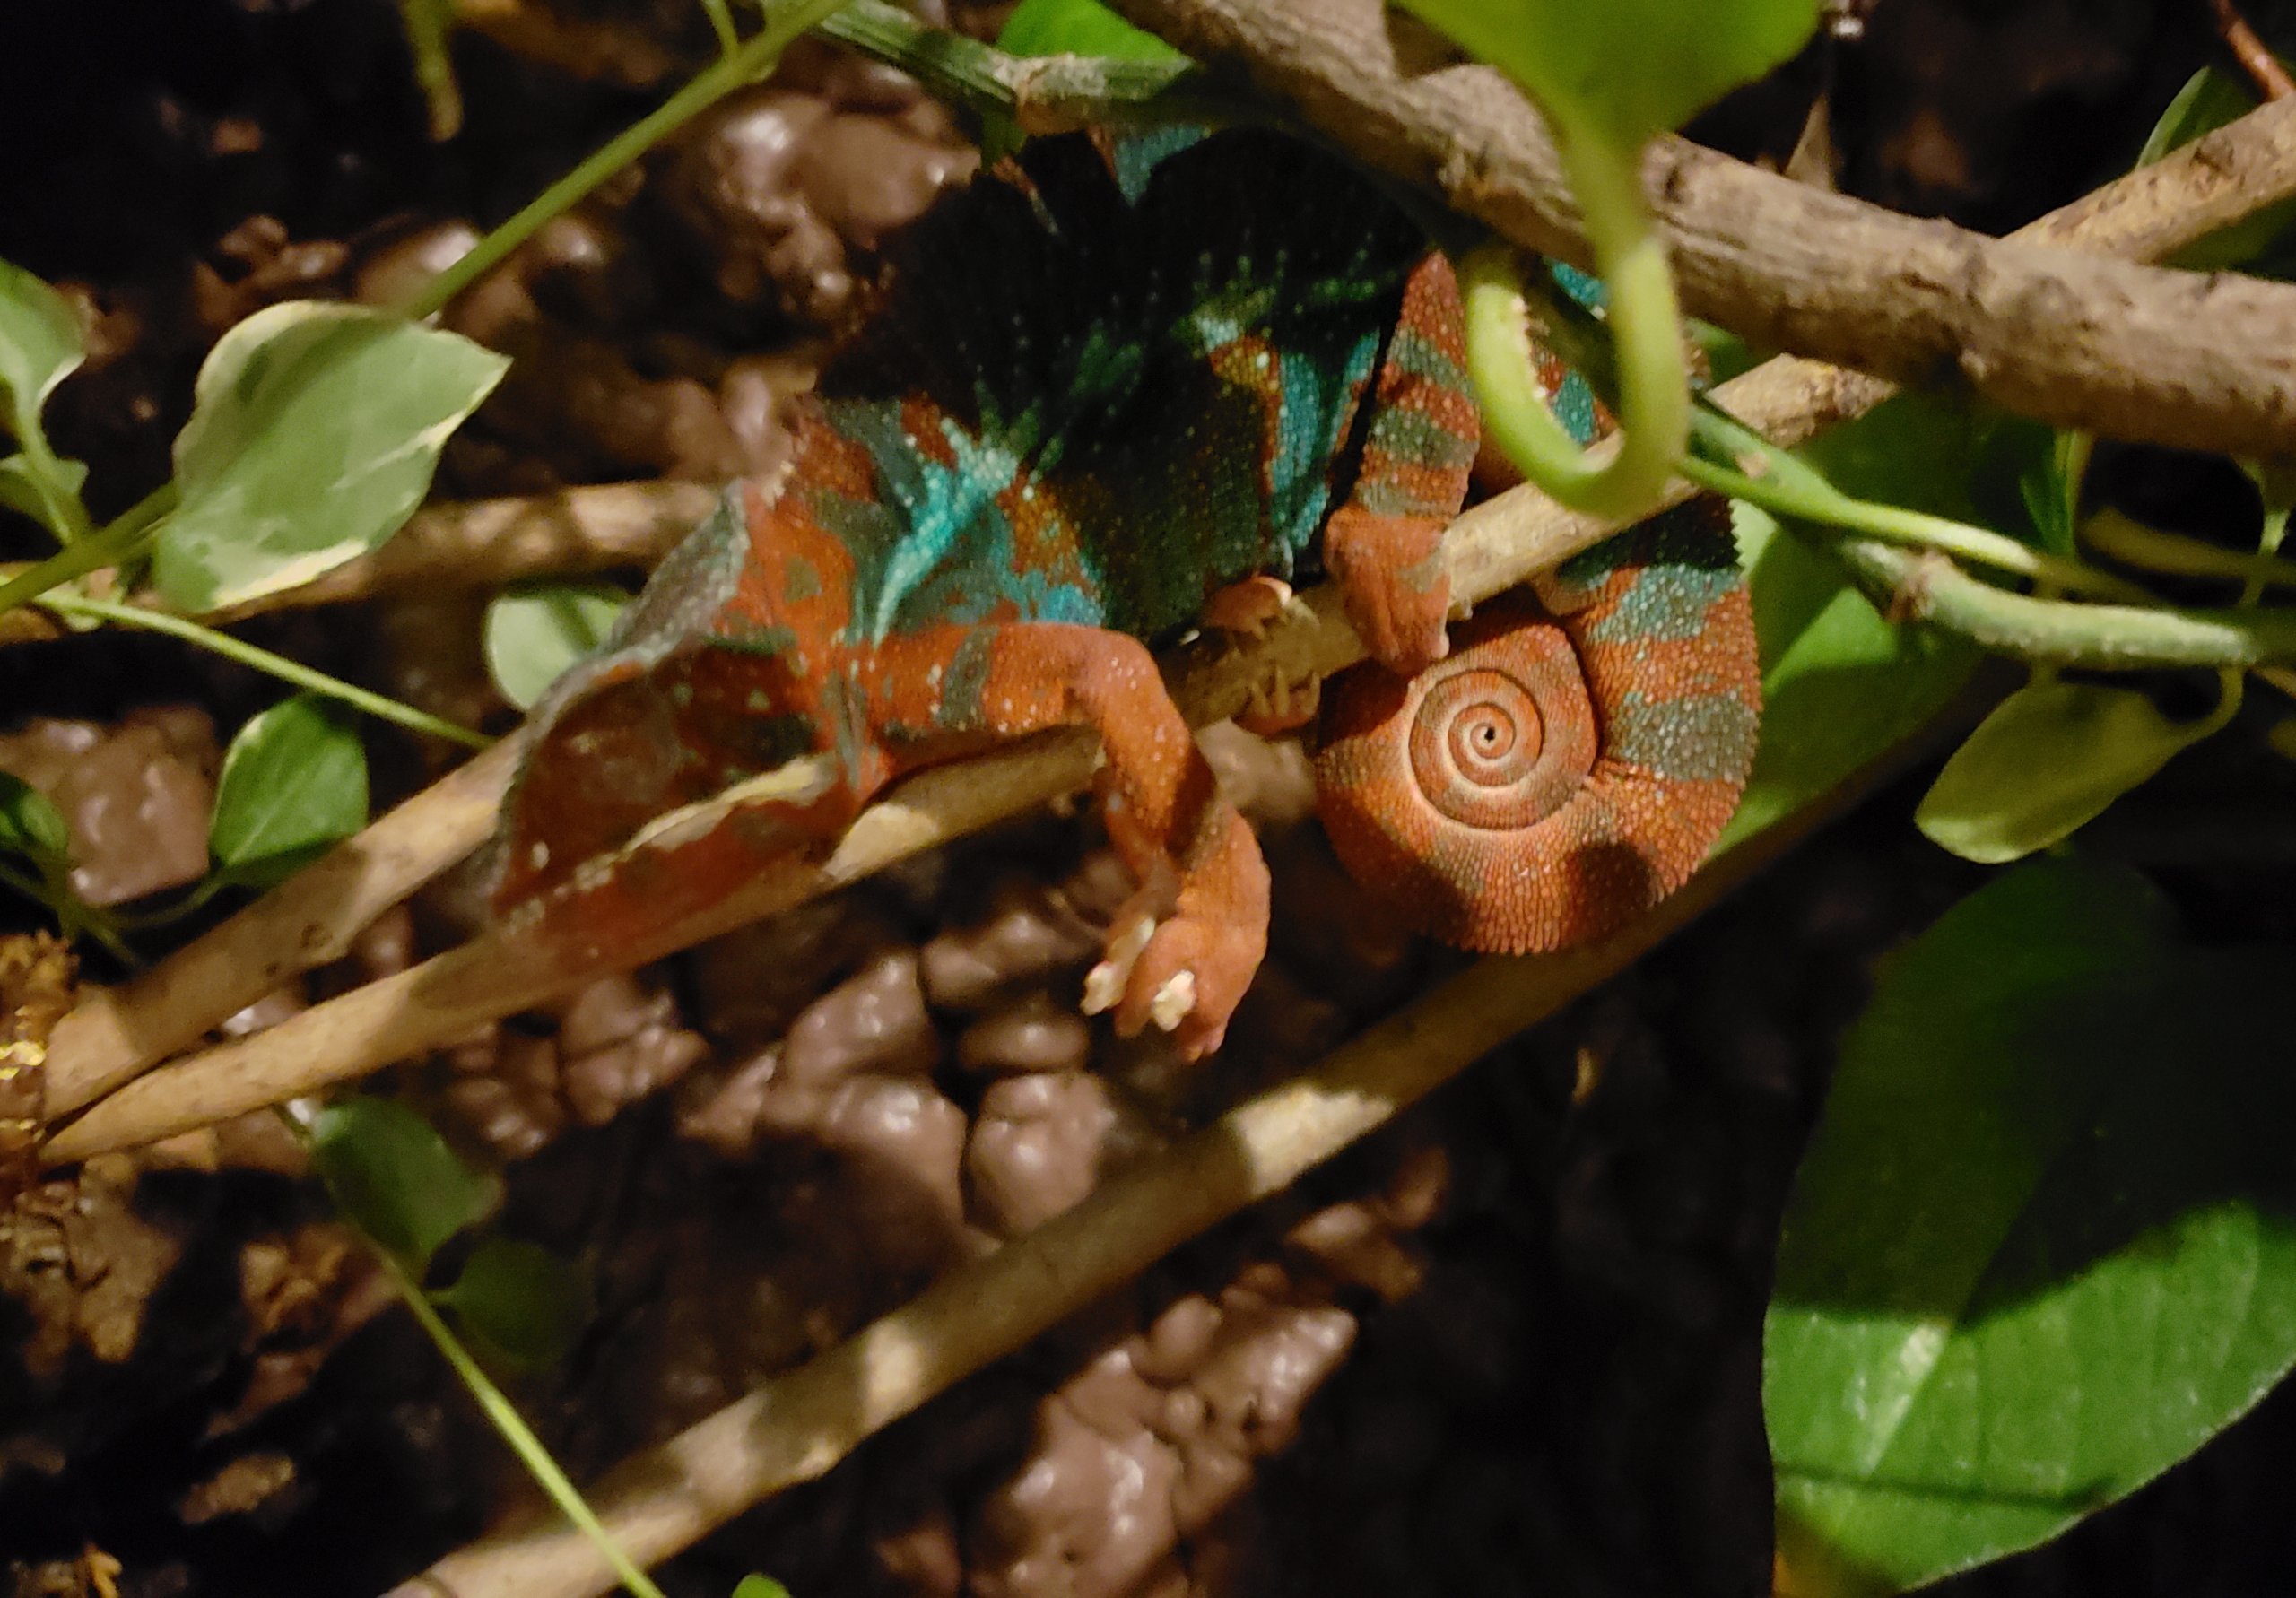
(865, 176)
(136, 794)
(1042, 1144)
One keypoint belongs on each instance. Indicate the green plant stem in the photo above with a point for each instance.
(117, 540)
(70, 525)
(73, 916)
(2111, 637)
(1065, 90)
(1646, 332)
(264, 660)
(745, 65)
(721, 23)
(504, 1416)
(2177, 556)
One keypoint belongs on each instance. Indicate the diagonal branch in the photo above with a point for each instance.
(2192, 360)
(112, 1037)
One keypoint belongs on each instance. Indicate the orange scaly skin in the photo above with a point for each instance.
(1107, 388)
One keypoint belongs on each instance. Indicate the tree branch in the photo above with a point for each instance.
(2196, 361)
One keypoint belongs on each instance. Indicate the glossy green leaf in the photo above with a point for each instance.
(312, 438)
(519, 1302)
(1633, 67)
(294, 784)
(1078, 28)
(39, 346)
(396, 1178)
(29, 825)
(1840, 683)
(2041, 1246)
(534, 633)
(2048, 761)
(759, 1586)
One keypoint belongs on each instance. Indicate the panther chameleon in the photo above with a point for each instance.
(1111, 391)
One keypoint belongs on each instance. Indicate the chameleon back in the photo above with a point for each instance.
(1102, 385)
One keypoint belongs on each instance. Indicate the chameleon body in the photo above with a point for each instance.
(1106, 390)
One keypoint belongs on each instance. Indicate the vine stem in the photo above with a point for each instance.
(262, 660)
(1646, 328)
(740, 66)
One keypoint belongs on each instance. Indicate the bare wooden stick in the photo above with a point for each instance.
(1491, 548)
(796, 1425)
(2196, 361)
(483, 543)
(308, 920)
(2255, 56)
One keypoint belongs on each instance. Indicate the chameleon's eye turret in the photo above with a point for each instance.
(1552, 779)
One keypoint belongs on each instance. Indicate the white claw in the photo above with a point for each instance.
(1104, 983)
(1173, 1001)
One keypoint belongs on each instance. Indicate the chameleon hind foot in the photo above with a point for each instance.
(1275, 704)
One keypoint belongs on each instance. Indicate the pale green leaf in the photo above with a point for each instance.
(39, 346)
(2041, 1248)
(41, 495)
(294, 784)
(534, 633)
(2048, 761)
(312, 438)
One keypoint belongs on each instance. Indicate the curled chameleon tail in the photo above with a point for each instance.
(1569, 763)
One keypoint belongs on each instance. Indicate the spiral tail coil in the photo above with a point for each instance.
(1573, 760)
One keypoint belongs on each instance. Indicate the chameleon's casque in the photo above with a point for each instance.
(1103, 392)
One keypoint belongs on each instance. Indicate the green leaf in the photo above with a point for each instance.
(396, 1179)
(2209, 101)
(534, 633)
(1633, 67)
(1840, 684)
(30, 826)
(519, 1302)
(38, 493)
(39, 347)
(294, 784)
(313, 435)
(1078, 28)
(2041, 1247)
(759, 1586)
(2046, 762)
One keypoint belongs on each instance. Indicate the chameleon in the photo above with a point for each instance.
(1110, 392)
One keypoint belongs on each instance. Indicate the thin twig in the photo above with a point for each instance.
(1491, 548)
(2255, 56)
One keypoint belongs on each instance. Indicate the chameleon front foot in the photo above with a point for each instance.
(1185, 972)
(1252, 604)
(1105, 984)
